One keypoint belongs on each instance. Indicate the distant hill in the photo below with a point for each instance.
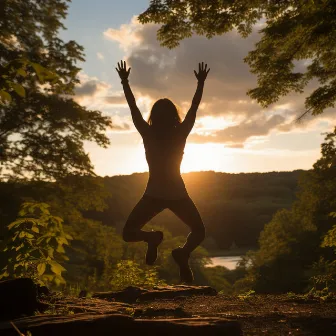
(234, 207)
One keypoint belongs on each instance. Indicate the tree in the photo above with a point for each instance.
(292, 31)
(297, 238)
(42, 131)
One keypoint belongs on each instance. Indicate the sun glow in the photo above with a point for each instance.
(198, 157)
(214, 123)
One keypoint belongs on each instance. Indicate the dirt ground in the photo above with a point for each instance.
(258, 314)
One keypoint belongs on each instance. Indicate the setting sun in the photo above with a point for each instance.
(198, 157)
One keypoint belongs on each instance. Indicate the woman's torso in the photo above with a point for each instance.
(164, 153)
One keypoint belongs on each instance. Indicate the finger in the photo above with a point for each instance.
(125, 65)
(208, 70)
(129, 70)
(195, 73)
(205, 67)
(117, 70)
(202, 66)
(119, 67)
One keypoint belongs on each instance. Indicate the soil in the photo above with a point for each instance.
(257, 314)
(169, 310)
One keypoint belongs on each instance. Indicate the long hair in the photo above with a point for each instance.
(164, 114)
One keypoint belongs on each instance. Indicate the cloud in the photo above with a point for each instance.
(90, 86)
(100, 56)
(123, 127)
(159, 72)
(116, 100)
(126, 35)
(235, 136)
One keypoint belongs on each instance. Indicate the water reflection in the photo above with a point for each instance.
(228, 262)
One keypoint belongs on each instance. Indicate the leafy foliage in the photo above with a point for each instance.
(323, 276)
(292, 31)
(128, 273)
(35, 245)
(247, 295)
(94, 209)
(290, 245)
(330, 238)
(18, 68)
(42, 134)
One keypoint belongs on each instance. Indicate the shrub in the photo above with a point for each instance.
(35, 245)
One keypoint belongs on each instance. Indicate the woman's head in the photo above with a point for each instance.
(164, 114)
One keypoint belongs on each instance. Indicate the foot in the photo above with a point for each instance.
(182, 260)
(154, 240)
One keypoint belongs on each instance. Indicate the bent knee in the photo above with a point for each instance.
(200, 232)
(127, 235)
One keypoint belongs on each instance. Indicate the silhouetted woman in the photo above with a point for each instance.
(164, 137)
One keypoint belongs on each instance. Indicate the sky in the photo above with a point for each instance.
(232, 132)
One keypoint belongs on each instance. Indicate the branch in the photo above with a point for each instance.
(300, 118)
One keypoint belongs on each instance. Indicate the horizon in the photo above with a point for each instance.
(212, 171)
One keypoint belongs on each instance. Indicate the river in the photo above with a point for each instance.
(229, 262)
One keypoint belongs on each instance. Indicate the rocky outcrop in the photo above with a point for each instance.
(106, 313)
(18, 297)
(133, 294)
(117, 324)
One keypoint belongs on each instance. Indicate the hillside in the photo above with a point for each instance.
(234, 207)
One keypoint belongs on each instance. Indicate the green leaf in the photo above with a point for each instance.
(56, 268)
(19, 247)
(16, 223)
(41, 268)
(60, 249)
(35, 229)
(22, 72)
(43, 73)
(19, 89)
(4, 274)
(50, 252)
(39, 69)
(20, 221)
(62, 240)
(56, 220)
(5, 96)
(67, 236)
(59, 280)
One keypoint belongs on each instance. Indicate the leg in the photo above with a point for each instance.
(142, 213)
(186, 210)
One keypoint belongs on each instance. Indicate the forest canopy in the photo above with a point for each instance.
(42, 129)
(296, 43)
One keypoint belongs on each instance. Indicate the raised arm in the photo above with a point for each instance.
(189, 120)
(140, 124)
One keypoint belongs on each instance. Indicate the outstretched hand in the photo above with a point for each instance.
(202, 72)
(122, 72)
